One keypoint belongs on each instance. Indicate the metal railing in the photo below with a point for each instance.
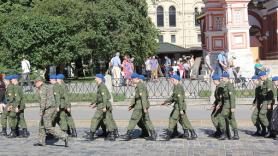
(158, 89)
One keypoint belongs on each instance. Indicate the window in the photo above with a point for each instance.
(218, 23)
(199, 38)
(172, 16)
(173, 38)
(160, 39)
(160, 16)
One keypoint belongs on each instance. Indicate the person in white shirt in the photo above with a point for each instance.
(26, 70)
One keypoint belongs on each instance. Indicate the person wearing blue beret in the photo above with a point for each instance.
(17, 114)
(179, 112)
(104, 107)
(140, 114)
(267, 104)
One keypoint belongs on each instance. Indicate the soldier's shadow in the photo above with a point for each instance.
(247, 132)
(136, 133)
(208, 132)
(50, 140)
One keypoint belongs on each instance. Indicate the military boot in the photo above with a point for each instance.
(168, 135)
(4, 131)
(110, 136)
(263, 131)
(193, 135)
(185, 134)
(90, 136)
(217, 133)
(12, 134)
(116, 133)
(24, 133)
(144, 134)
(39, 144)
(236, 136)
(73, 133)
(127, 136)
(153, 136)
(223, 135)
(269, 134)
(259, 130)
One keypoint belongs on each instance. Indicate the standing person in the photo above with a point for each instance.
(274, 124)
(26, 70)
(19, 105)
(65, 107)
(186, 67)
(208, 64)
(175, 68)
(227, 107)
(140, 105)
(181, 69)
(6, 104)
(127, 69)
(222, 64)
(154, 68)
(178, 113)
(47, 113)
(148, 68)
(116, 69)
(216, 112)
(267, 100)
(2, 93)
(102, 103)
(167, 66)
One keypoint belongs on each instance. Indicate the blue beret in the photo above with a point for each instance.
(262, 74)
(142, 77)
(60, 76)
(275, 78)
(14, 77)
(8, 77)
(177, 77)
(52, 77)
(135, 75)
(101, 76)
(216, 77)
(255, 77)
(225, 75)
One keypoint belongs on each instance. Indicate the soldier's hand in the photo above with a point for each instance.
(182, 112)
(268, 106)
(217, 107)
(93, 105)
(16, 110)
(212, 107)
(145, 110)
(233, 110)
(129, 108)
(68, 109)
(58, 109)
(104, 109)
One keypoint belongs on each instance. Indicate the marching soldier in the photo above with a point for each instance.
(179, 111)
(257, 107)
(274, 117)
(227, 116)
(19, 106)
(102, 104)
(140, 115)
(47, 113)
(66, 120)
(218, 97)
(267, 103)
(8, 99)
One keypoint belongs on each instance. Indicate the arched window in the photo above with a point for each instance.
(172, 16)
(160, 16)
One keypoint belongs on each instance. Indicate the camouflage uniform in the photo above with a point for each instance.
(257, 108)
(48, 112)
(216, 112)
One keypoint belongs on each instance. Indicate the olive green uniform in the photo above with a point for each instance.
(218, 97)
(178, 98)
(228, 103)
(9, 98)
(140, 102)
(19, 100)
(267, 99)
(48, 112)
(102, 101)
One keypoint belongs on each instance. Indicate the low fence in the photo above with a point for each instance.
(158, 89)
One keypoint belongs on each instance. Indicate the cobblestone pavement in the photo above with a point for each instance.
(203, 146)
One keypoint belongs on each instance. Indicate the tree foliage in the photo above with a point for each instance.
(61, 31)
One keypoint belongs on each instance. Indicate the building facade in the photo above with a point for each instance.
(176, 21)
(246, 29)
